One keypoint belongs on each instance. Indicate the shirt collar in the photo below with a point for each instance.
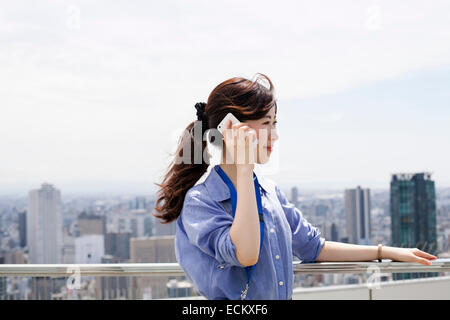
(218, 189)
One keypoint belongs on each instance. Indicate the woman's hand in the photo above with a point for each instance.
(407, 255)
(238, 139)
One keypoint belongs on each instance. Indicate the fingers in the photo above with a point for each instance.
(238, 129)
(245, 134)
(425, 255)
(241, 141)
(423, 261)
(249, 134)
(232, 128)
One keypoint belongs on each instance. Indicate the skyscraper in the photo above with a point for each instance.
(44, 225)
(23, 229)
(413, 211)
(357, 209)
(413, 215)
(294, 196)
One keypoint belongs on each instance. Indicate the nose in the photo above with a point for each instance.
(273, 135)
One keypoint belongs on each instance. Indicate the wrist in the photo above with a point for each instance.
(386, 252)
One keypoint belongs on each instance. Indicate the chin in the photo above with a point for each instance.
(263, 162)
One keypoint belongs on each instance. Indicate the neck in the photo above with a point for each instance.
(231, 171)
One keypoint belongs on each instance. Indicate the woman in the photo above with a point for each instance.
(237, 232)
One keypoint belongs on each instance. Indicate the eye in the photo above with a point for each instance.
(267, 122)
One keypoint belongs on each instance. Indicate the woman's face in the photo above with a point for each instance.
(266, 131)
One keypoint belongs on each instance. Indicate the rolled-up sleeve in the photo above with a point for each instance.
(207, 226)
(306, 239)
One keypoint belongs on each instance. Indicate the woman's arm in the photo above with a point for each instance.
(245, 228)
(338, 251)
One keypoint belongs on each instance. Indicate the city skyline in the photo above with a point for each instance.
(125, 190)
(110, 230)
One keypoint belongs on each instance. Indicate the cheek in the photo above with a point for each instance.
(262, 134)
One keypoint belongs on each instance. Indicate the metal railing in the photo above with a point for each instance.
(166, 280)
(174, 269)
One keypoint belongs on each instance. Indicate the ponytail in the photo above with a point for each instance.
(184, 171)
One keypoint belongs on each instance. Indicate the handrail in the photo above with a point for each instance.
(174, 269)
(386, 266)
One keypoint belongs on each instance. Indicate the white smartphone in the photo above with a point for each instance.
(224, 121)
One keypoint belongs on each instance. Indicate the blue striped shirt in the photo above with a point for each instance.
(205, 251)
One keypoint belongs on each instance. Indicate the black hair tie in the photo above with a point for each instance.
(200, 106)
(201, 115)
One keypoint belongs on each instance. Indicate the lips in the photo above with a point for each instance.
(269, 148)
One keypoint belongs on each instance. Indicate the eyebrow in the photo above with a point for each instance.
(270, 117)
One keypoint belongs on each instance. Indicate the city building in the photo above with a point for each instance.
(164, 229)
(141, 203)
(68, 256)
(137, 221)
(22, 229)
(89, 248)
(413, 213)
(15, 256)
(357, 209)
(117, 245)
(44, 225)
(152, 250)
(334, 232)
(91, 224)
(294, 196)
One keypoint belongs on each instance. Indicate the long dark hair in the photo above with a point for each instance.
(246, 100)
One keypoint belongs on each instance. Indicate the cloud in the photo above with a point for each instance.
(100, 99)
(332, 117)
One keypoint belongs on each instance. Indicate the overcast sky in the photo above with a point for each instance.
(92, 93)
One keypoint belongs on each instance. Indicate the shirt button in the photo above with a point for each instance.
(280, 283)
(272, 230)
(221, 267)
(277, 257)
